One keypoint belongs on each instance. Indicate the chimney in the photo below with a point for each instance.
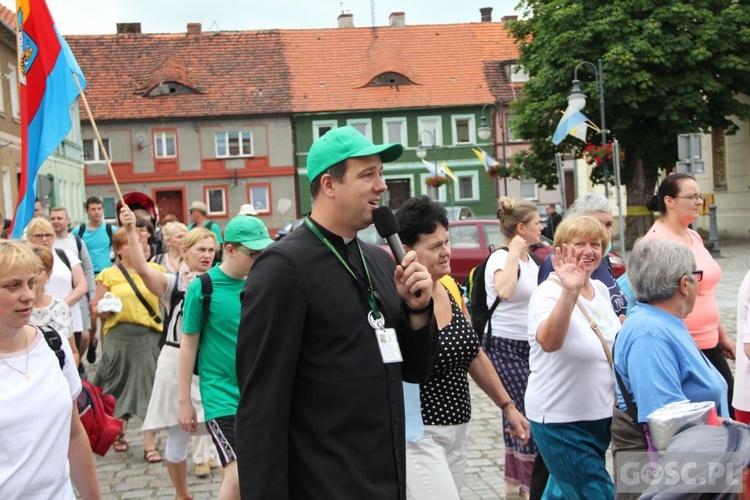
(508, 18)
(194, 28)
(486, 13)
(397, 19)
(125, 28)
(346, 21)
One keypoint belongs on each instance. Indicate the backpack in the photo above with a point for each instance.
(477, 294)
(95, 408)
(207, 288)
(110, 231)
(171, 318)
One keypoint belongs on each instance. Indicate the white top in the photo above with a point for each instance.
(510, 318)
(67, 242)
(574, 383)
(741, 400)
(61, 284)
(34, 437)
(57, 315)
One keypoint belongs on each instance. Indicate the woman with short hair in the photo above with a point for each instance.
(571, 387)
(43, 440)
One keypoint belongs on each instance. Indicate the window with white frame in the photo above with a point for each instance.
(216, 200)
(363, 125)
(231, 144)
(518, 74)
(7, 194)
(394, 130)
(259, 197)
(529, 189)
(320, 127)
(165, 144)
(15, 101)
(92, 153)
(467, 186)
(464, 130)
(430, 130)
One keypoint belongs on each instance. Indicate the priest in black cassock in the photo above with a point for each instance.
(330, 327)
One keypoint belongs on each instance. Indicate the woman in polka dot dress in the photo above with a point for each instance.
(436, 445)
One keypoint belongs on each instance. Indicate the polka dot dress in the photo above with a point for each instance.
(445, 397)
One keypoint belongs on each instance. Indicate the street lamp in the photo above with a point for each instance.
(484, 131)
(577, 100)
(422, 153)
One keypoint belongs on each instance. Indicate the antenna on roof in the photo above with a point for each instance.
(214, 24)
(372, 12)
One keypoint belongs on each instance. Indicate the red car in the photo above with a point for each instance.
(471, 242)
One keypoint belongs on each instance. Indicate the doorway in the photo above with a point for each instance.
(170, 201)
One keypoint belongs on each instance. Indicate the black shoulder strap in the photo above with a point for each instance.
(81, 229)
(208, 223)
(207, 288)
(629, 403)
(110, 231)
(54, 341)
(61, 253)
(138, 294)
(79, 244)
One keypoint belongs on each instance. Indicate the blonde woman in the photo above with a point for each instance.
(48, 443)
(174, 233)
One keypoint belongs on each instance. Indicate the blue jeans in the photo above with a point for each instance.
(575, 456)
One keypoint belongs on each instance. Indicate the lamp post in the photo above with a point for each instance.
(577, 100)
(484, 131)
(422, 154)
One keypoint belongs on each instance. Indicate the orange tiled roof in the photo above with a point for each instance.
(294, 71)
(449, 65)
(235, 73)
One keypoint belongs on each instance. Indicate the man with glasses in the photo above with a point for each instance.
(216, 334)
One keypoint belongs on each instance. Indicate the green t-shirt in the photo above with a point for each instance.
(218, 343)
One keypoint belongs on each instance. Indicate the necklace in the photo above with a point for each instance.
(171, 262)
(25, 372)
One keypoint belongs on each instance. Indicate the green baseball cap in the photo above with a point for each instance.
(345, 142)
(248, 231)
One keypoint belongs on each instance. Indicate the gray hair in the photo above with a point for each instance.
(655, 268)
(589, 203)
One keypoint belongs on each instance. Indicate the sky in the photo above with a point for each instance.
(78, 17)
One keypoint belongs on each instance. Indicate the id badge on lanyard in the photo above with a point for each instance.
(387, 339)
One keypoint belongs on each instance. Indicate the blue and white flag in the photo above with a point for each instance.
(572, 123)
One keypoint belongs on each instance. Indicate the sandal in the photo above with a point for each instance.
(151, 456)
(120, 443)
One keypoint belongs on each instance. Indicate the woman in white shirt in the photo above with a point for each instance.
(48, 444)
(511, 275)
(570, 395)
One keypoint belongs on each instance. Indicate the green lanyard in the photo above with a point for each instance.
(367, 290)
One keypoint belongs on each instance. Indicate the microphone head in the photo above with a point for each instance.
(385, 221)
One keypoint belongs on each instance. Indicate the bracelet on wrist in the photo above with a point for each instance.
(507, 404)
(426, 308)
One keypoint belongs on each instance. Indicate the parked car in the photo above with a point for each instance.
(459, 213)
(288, 227)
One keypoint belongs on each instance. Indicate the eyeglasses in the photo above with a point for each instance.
(252, 254)
(692, 197)
(698, 275)
(43, 236)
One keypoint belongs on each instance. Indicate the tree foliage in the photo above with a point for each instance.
(669, 67)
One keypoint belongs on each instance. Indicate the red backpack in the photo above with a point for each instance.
(95, 408)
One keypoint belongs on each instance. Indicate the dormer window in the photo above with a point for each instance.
(518, 74)
(170, 88)
(389, 79)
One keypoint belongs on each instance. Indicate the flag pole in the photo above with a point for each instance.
(99, 139)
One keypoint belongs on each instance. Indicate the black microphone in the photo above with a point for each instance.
(387, 226)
